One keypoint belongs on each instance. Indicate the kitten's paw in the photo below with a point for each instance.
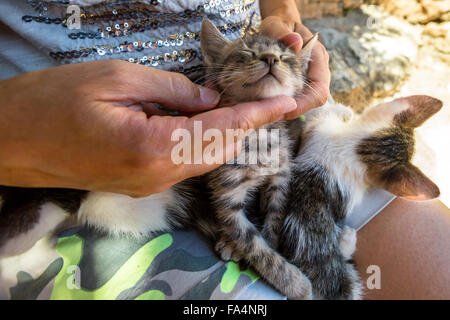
(347, 241)
(347, 114)
(343, 112)
(227, 250)
(300, 287)
(270, 237)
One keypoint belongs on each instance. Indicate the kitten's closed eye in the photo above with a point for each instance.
(249, 52)
(242, 56)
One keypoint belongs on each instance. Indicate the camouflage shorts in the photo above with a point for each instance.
(83, 264)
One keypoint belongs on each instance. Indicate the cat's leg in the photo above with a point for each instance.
(239, 239)
(230, 192)
(347, 241)
(352, 282)
(344, 113)
(273, 199)
(121, 215)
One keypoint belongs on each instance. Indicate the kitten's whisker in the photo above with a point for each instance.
(216, 76)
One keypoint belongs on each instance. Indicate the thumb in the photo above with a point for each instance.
(233, 124)
(248, 115)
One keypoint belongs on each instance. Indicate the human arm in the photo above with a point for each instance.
(76, 126)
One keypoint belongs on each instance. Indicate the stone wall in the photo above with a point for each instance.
(314, 9)
(417, 11)
(373, 49)
(368, 61)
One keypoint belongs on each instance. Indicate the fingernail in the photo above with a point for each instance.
(294, 41)
(290, 106)
(209, 96)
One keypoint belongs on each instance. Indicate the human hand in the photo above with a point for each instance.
(293, 33)
(80, 126)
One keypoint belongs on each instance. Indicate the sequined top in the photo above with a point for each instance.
(163, 34)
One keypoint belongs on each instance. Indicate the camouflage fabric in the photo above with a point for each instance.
(83, 264)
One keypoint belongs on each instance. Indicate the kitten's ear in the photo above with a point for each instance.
(308, 46)
(420, 109)
(212, 42)
(241, 43)
(407, 181)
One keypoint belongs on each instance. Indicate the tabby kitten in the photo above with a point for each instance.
(338, 157)
(249, 69)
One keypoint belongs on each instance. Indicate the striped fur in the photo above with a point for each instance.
(340, 154)
(249, 69)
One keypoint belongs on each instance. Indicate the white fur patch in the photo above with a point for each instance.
(332, 138)
(331, 141)
(123, 215)
(50, 216)
(347, 241)
(384, 113)
(278, 90)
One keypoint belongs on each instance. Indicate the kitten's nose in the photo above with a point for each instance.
(269, 58)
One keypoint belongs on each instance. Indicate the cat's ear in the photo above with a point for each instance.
(420, 108)
(241, 43)
(308, 46)
(407, 181)
(409, 112)
(212, 42)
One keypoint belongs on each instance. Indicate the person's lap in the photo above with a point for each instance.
(82, 263)
(409, 242)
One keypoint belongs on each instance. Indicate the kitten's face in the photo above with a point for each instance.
(254, 67)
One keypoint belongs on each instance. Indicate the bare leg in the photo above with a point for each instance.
(410, 242)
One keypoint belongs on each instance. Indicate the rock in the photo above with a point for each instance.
(434, 9)
(314, 9)
(417, 11)
(351, 4)
(443, 45)
(437, 30)
(445, 17)
(437, 40)
(371, 54)
(406, 9)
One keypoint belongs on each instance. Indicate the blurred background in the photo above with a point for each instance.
(383, 49)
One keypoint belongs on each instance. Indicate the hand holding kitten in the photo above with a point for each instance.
(281, 20)
(81, 126)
